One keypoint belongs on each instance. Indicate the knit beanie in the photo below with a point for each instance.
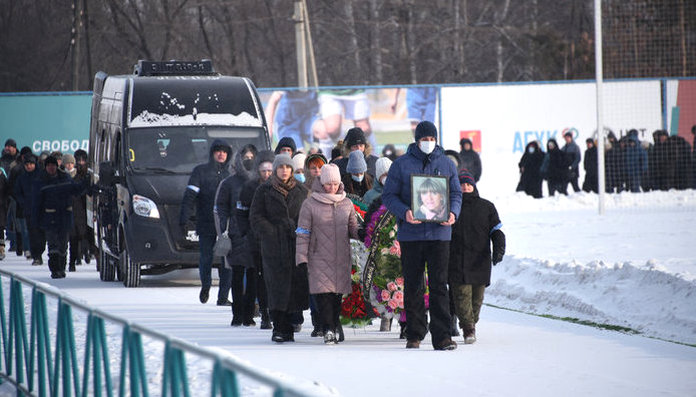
(68, 158)
(25, 150)
(355, 136)
(382, 166)
(425, 128)
(330, 174)
(298, 161)
(356, 163)
(11, 142)
(466, 177)
(30, 158)
(51, 160)
(286, 142)
(282, 159)
(315, 159)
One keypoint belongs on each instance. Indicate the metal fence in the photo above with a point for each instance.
(36, 368)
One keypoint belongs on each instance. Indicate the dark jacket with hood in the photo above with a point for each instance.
(201, 189)
(273, 219)
(470, 251)
(530, 170)
(23, 193)
(246, 196)
(470, 160)
(52, 204)
(226, 204)
(555, 165)
(397, 191)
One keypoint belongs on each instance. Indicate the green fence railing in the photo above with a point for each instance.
(36, 368)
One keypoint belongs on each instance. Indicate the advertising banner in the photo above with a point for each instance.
(46, 122)
(502, 119)
(322, 117)
(681, 108)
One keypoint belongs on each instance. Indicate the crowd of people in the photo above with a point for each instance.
(630, 165)
(43, 207)
(290, 216)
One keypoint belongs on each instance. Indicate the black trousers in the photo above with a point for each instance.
(37, 242)
(414, 257)
(281, 322)
(243, 298)
(329, 308)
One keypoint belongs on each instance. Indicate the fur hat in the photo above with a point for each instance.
(382, 166)
(282, 159)
(356, 163)
(355, 136)
(425, 128)
(329, 174)
(298, 161)
(466, 177)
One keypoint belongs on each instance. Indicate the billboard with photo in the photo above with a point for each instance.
(681, 108)
(505, 118)
(322, 117)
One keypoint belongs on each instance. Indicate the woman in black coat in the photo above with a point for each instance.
(470, 260)
(555, 168)
(530, 170)
(273, 218)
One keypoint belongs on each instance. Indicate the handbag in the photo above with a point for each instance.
(223, 245)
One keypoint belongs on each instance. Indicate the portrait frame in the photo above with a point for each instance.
(431, 183)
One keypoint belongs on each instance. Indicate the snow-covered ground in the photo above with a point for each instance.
(633, 267)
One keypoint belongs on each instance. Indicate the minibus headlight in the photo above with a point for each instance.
(143, 206)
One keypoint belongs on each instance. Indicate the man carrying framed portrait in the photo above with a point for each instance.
(422, 190)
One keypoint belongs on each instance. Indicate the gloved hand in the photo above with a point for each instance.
(497, 258)
(302, 264)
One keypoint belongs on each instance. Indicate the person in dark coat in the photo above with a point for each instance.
(680, 155)
(423, 242)
(52, 207)
(636, 160)
(226, 199)
(470, 254)
(555, 168)
(263, 167)
(80, 236)
(273, 217)
(23, 191)
(591, 183)
(4, 204)
(22, 245)
(530, 170)
(355, 141)
(693, 158)
(658, 158)
(470, 160)
(8, 160)
(357, 181)
(201, 189)
(572, 152)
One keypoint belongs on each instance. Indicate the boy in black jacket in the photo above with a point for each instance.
(470, 254)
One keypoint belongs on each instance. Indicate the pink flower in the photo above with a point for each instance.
(399, 281)
(395, 249)
(392, 286)
(398, 295)
(393, 304)
(385, 295)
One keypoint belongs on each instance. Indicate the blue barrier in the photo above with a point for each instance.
(30, 364)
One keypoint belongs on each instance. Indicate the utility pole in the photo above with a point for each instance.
(75, 43)
(306, 66)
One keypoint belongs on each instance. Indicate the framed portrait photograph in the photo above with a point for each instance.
(430, 198)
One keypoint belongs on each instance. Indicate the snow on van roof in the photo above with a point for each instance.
(147, 119)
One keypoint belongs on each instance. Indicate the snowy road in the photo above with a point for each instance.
(650, 288)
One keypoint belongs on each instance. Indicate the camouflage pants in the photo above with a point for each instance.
(467, 303)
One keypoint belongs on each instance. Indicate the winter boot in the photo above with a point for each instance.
(265, 320)
(402, 332)
(316, 331)
(469, 335)
(71, 266)
(54, 266)
(339, 333)
(329, 338)
(2, 249)
(62, 261)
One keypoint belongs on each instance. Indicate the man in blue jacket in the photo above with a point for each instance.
(200, 191)
(422, 242)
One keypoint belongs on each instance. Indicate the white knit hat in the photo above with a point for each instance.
(298, 161)
(382, 166)
(330, 174)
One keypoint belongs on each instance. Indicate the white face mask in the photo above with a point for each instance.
(427, 147)
(531, 149)
(357, 178)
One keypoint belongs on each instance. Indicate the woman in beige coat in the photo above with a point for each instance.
(327, 222)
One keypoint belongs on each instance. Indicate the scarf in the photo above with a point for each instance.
(283, 187)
